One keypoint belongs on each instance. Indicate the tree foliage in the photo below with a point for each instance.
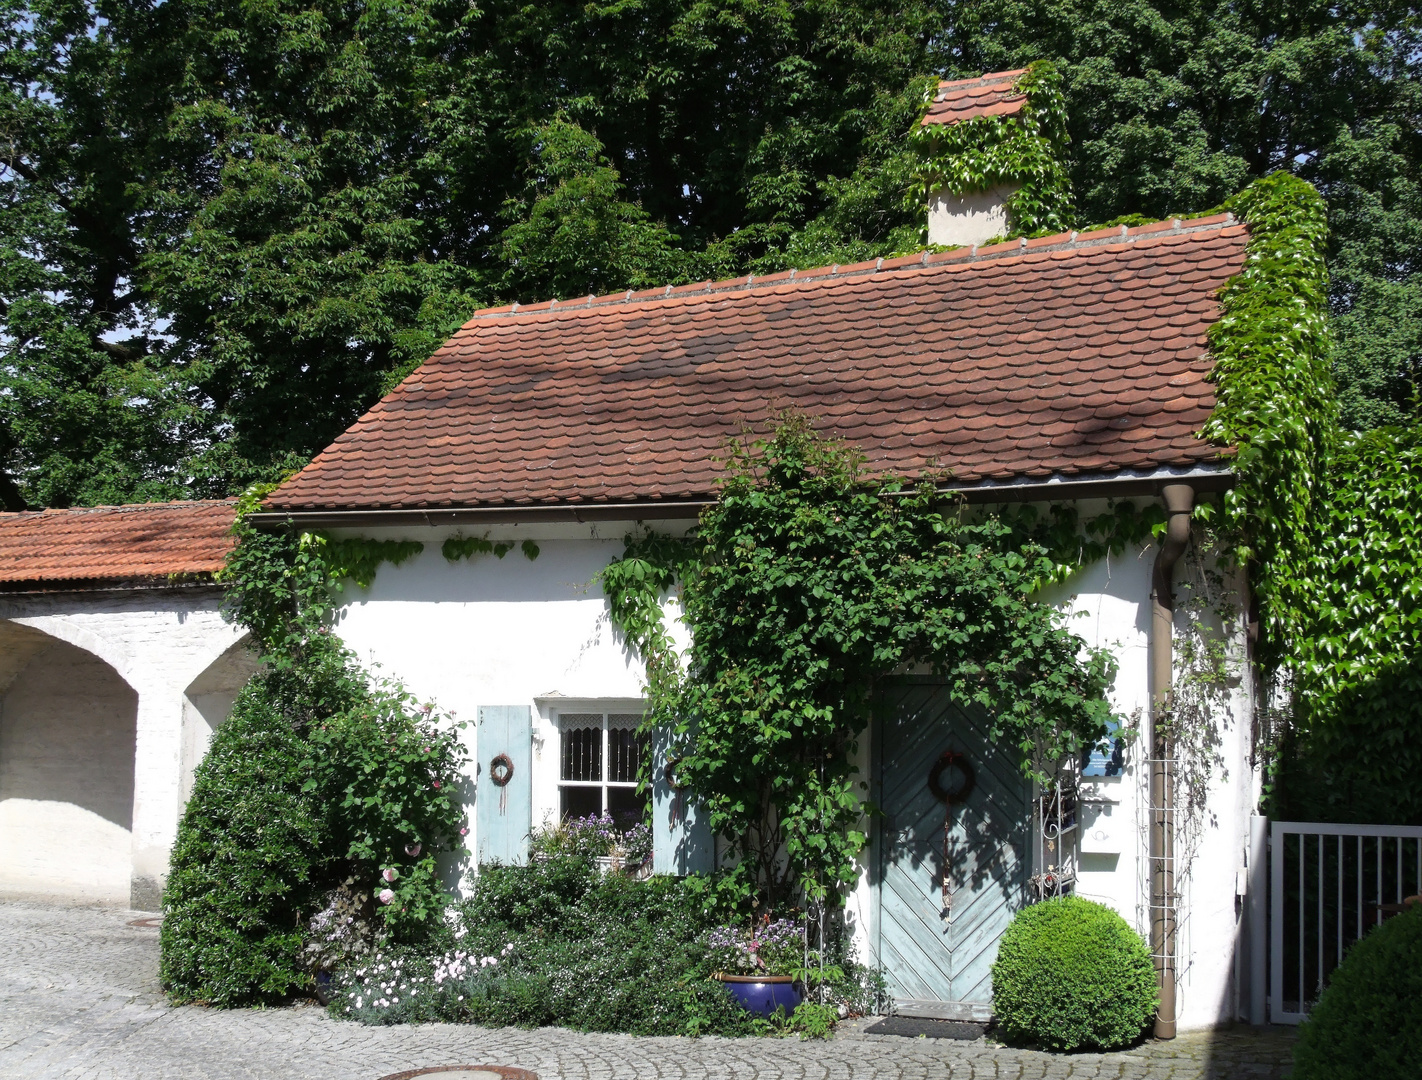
(1175, 107)
(226, 227)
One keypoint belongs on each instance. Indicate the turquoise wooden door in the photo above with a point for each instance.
(937, 947)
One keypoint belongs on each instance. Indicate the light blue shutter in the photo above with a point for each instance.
(681, 837)
(504, 815)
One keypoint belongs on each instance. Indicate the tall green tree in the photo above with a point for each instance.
(226, 226)
(1175, 106)
(91, 410)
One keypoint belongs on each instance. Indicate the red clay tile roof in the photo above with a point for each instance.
(987, 95)
(1067, 355)
(146, 541)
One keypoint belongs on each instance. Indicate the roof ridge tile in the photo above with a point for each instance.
(1070, 243)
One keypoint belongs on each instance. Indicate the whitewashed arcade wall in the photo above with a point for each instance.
(107, 700)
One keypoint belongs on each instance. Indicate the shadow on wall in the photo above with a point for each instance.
(207, 702)
(67, 727)
(1357, 763)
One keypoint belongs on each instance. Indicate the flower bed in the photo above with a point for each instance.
(557, 942)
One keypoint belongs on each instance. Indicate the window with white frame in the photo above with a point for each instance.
(599, 755)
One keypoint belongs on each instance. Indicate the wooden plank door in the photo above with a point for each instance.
(937, 959)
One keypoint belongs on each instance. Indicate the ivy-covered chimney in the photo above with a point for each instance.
(993, 155)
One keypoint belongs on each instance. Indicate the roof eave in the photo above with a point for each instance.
(137, 583)
(1122, 484)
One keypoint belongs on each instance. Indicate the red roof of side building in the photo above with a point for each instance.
(111, 544)
(1063, 356)
(964, 99)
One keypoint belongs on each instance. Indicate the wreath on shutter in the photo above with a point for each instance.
(501, 770)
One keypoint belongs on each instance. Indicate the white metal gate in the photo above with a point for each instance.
(1330, 884)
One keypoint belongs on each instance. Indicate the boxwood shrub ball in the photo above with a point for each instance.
(1071, 974)
(1368, 1023)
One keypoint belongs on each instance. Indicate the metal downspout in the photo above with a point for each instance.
(1179, 502)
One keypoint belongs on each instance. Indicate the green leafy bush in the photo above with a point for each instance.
(1070, 974)
(387, 771)
(321, 778)
(247, 861)
(556, 942)
(1368, 1024)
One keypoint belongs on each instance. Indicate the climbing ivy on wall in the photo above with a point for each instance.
(1328, 524)
(1028, 149)
(806, 583)
(1351, 615)
(1275, 394)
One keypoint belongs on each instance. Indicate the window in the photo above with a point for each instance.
(600, 755)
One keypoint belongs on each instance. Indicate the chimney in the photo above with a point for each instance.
(982, 141)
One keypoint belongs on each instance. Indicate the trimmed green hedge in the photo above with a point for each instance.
(1070, 974)
(1368, 1024)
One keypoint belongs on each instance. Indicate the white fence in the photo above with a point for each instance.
(1329, 884)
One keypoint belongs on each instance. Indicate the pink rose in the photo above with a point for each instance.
(386, 895)
(436, 784)
(390, 873)
(413, 850)
(464, 830)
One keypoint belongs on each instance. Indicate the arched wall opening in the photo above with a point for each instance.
(68, 724)
(206, 704)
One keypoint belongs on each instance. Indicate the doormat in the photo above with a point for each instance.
(914, 1026)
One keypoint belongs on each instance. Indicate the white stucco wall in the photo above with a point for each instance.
(1110, 607)
(974, 218)
(158, 643)
(67, 726)
(509, 631)
(514, 632)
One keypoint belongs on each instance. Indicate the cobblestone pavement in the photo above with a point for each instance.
(79, 999)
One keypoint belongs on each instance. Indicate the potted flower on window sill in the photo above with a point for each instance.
(755, 964)
(611, 849)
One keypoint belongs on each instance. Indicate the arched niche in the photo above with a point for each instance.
(68, 724)
(207, 701)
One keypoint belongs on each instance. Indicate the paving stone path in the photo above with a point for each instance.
(79, 999)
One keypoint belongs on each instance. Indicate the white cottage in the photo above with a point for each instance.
(1066, 369)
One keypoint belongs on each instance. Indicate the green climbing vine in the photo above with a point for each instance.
(1028, 150)
(357, 558)
(1275, 396)
(805, 584)
(466, 547)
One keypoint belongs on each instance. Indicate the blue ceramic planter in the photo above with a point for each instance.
(763, 994)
